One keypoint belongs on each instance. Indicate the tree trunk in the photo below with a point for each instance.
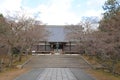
(20, 55)
(113, 67)
(113, 64)
(0, 65)
(20, 58)
(11, 60)
(11, 56)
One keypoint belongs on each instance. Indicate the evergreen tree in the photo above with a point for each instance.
(111, 16)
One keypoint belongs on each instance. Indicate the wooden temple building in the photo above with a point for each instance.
(55, 47)
(56, 42)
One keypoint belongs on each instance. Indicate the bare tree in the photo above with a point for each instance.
(19, 33)
(82, 33)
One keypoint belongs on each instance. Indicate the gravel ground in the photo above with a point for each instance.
(57, 61)
(56, 67)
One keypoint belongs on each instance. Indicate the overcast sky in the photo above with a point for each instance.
(55, 12)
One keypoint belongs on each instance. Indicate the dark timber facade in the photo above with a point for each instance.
(55, 47)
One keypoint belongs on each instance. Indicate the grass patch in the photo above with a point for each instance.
(102, 75)
(14, 66)
(92, 60)
(23, 60)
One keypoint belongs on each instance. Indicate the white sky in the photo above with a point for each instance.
(54, 12)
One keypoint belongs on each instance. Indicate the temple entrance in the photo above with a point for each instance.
(57, 47)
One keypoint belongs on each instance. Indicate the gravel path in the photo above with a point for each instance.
(56, 67)
(57, 61)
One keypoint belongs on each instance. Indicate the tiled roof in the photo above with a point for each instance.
(57, 33)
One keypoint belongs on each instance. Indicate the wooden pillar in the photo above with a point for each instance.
(70, 46)
(63, 46)
(37, 47)
(45, 45)
(52, 46)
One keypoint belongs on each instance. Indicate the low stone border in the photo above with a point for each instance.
(22, 65)
(87, 62)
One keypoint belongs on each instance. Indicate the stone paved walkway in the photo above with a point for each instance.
(57, 74)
